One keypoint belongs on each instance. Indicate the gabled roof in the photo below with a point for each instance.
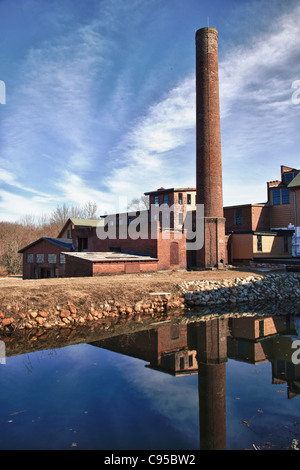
(64, 243)
(295, 182)
(80, 223)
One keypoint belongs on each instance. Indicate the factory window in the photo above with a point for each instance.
(181, 362)
(180, 218)
(29, 258)
(62, 258)
(276, 197)
(166, 199)
(180, 198)
(115, 249)
(190, 360)
(39, 258)
(51, 258)
(259, 243)
(166, 220)
(285, 196)
(166, 362)
(238, 217)
(240, 348)
(156, 201)
(189, 199)
(82, 244)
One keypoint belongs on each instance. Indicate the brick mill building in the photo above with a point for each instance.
(268, 231)
(166, 236)
(81, 250)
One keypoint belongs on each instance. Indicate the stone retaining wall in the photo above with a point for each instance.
(190, 295)
(20, 316)
(250, 290)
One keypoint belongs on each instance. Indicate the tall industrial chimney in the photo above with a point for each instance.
(208, 149)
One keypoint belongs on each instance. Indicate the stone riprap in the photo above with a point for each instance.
(189, 296)
(19, 316)
(249, 290)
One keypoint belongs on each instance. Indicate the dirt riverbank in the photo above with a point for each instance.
(129, 287)
(44, 302)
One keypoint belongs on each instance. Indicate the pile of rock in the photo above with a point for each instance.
(249, 290)
(20, 316)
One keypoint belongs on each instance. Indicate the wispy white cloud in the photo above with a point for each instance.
(14, 207)
(256, 113)
(80, 124)
(149, 148)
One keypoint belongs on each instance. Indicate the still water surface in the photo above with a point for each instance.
(225, 383)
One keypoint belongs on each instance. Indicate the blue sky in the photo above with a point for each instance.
(100, 98)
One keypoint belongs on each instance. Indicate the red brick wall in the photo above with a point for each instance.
(260, 217)
(171, 338)
(229, 214)
(214, 252)
(254, 217)
(33, 270)
(76, 267)
(148, 247)
(283, 214)
(208, 138)
(171, 252)
(123, 267)
(159, 248)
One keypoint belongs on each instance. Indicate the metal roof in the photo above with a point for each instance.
(64, 243)
(295, 182)
(81, 223)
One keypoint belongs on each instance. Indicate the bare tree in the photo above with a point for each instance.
(61, 214)
(139, 204)
(90, 210)
(17, 235)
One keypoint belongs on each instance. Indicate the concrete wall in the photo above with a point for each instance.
(241, 246)
(244, 246)
(272, 246)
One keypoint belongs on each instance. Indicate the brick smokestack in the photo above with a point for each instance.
(208, 148)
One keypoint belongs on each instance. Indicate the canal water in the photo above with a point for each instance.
(224, 382)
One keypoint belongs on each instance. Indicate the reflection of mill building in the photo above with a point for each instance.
(268, 231)
(204, 347)
(201, 348)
